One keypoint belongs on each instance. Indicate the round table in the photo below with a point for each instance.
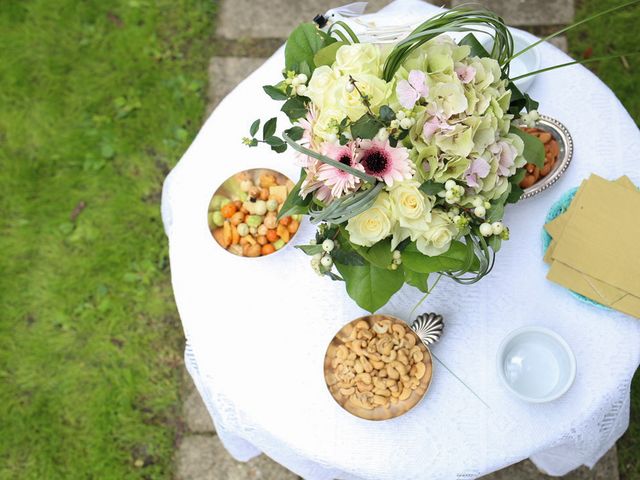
(257, 329)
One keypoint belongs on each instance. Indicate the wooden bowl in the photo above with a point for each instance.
(381, 412)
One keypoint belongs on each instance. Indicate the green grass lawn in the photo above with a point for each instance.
(99, 99)
(616, 33)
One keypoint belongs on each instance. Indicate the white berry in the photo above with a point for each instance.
(405, 123)
(349, 87)
(396, 254)
(497, 228)
(302, 78)
(480, 212)
(326, 261)
(328, 245)
(400, 115)
(301, 89)
(477, 202)
(486, 230)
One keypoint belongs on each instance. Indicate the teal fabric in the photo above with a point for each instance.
(558, 208)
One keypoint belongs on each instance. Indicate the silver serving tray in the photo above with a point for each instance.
(565, 144)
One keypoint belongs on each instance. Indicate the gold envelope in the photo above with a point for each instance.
(556, 226)
(607, 280)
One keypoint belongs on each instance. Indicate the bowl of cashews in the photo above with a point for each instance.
(377, 368)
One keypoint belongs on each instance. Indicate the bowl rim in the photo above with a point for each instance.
(555, 336)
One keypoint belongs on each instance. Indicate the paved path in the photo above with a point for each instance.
(248, 32)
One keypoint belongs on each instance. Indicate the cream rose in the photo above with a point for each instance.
(410, 207)
(438, 237)
(321, 83)
(358, 58)
(376, 90)
(372, 225)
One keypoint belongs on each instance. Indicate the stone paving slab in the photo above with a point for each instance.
(196, 416)
(276, 18)
(203, 457)
(605, 469)
(528, 12)
(225, 73)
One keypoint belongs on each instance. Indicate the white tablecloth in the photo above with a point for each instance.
(257, 329)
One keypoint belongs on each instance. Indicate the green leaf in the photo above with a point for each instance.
(295, 133)
(518, 176)
(274, 141)
(302, 45)
(254, 128)
(533, 147)
(310, 249)
(452, 260)
(431, 188)
(495, 242)
(477, 50)
(496, 212)
(369, 286)
(367, 127)
(295, 204)
(295, 107)
(327, 55)
(515, 194)
(269, 128)
(387, 114)
(274, 92)
(415, 279)
(347, 257)
(520, 101)
(380, 254)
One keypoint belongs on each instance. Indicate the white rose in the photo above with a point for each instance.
(326, 125)
(376, 90)
(437, 239)
(322, 81)
(410, 207)
(372, 225)
(358, 58)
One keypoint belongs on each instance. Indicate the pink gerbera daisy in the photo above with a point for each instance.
(384, 162)
(339, 181)
(312, 185)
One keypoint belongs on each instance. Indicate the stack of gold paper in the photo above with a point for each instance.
(595, 249)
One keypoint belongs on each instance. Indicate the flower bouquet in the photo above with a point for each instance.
(408, 152)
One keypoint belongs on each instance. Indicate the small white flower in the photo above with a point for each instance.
(382, 135)
(480, 212)
(449, 184)
(486, 230)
